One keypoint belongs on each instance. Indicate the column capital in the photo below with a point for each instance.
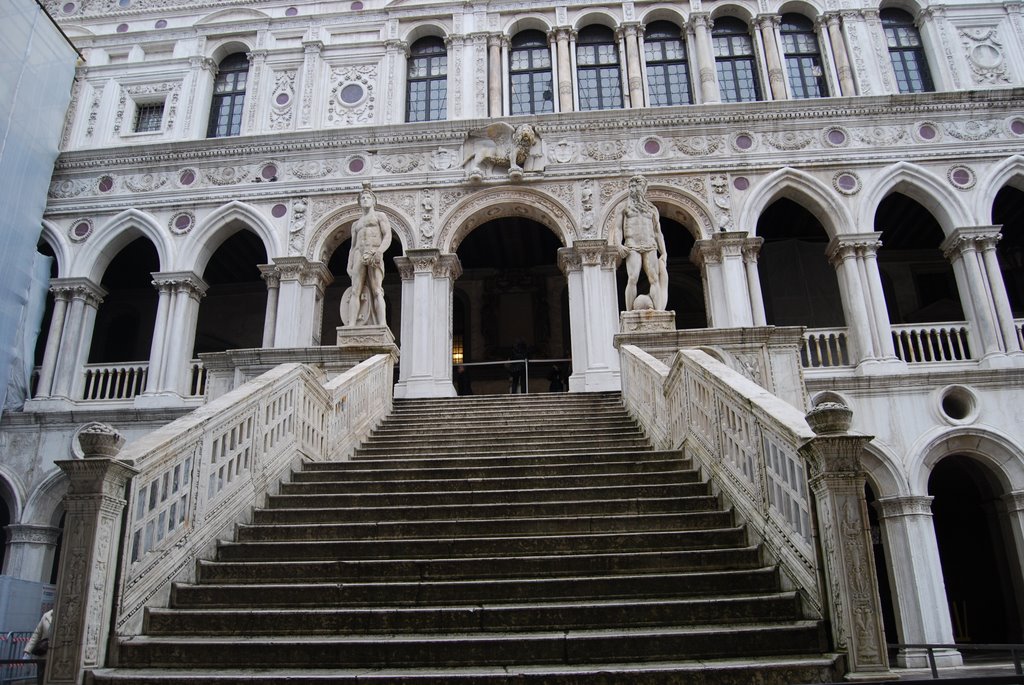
(968, 238)
(396, 45)
(562, 33)
(312, 47)
(455, 40)
(768, 19)
(271, 274)
(180, 281)
(497, 40)
(583, 253)
(24, 533)
(304, 271)
(629, 29)
(202, 63)
(257, 55)
(428, 260)
(78, 289)
(907, 505)
(701, 20)
(725, 244)
(853, 245)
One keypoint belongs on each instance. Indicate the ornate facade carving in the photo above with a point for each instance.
(343, 108)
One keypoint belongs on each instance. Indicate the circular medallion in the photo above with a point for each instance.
(278, 210)
(741, 183)
(106, 184)
(291, 12)
(356, 165)
(160, 24)
(187, 177)
(282, 98)
(961, 176)
(652, 146)
(352, 93)
(836, 137)
(846, 182)
(122, 28)
(80, 230)
(269, 172)
(182, 222)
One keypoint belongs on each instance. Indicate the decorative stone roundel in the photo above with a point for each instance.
(160, 24)
(961, 177)
(652, 146)
(352, 94)
(1017, 127)
(278, 211)
(282, 98)
(356, 5)
(69, 8)
(182, 222)
(291, 12)
(836, 136)
(269, 172)
(356, 165)
(187, 177)
(122, 28)
(80, 230)
(743, 141)
(106, 184)
(846, 182)
(741, 183)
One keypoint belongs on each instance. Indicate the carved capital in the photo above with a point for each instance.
(255, 56)
(911, 505)
(270, 274)
(201, 63)
(701, 20)
(83, 289)
(25, 534)
(969, 239)
(855, 245)
(187, 282)
(300, 269)
(312, 47)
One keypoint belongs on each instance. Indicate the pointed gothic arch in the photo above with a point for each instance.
(116, 234)
(220, 225)
(1009, 172)
(54, 237)
(920, 185)
(805, 190)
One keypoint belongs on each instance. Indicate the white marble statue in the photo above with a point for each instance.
(637, 235)
(363, 303)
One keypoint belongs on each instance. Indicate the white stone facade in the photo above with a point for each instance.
(325, 110)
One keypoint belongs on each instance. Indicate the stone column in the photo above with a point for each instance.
(876, 298)
(270, 274)
(428, 278)
(88, 567)
(847, 563)
(915, 576)
(963, 248)
(725, 258)
(767, 24)
(396, 53)
(311, 67)
(1001, 302)
(61, 297)
(751, 249)
(1012, 508)
(630, 32)
(198, 94)
(80, 316)
(700, 24)
(833, 30)
(494, 77)
(589, 266)
(173, 337)
(299, 299)
(254, 92)
(29, 553)
(562, 34)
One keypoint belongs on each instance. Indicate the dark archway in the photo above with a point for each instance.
(125, 320)
(923, 286)
(799, 285)
(514, 288)
(232, 313)
(972, 549)
(1008, 210)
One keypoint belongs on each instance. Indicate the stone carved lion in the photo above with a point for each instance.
(499, 145)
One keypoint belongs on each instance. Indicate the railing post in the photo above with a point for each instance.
(85, 589)
(837, 481)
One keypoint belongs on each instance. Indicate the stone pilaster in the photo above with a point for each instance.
(589, 266)
(562, 36)
(847, 562)
(299, 301)
(254, 91)
(84, 298)
(29, 553)
(915, 575)
(428, 278)
(495, 44)
(85, 589)
(311, 67)
(396, 52)
(272, 277)
(198, 90)
(174, 334)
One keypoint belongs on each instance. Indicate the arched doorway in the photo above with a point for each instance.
(513, 293)
(232, 312)
(973, 549)
(1008, 211)
(799, 285)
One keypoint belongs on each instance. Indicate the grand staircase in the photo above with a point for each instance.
(477, 541)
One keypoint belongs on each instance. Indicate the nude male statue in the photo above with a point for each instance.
(363, 303)
(637, 235)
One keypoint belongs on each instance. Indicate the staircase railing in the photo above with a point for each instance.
(746, 439)
(201, 474)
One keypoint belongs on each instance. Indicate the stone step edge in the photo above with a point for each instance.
(496, 467)
(626, 456)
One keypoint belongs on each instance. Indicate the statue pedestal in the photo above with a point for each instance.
(367, 340)
(646, 320)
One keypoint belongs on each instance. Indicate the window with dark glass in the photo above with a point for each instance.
(530, 74)
(228, 97)
(427, 91)
(148, 117)
(597, 69)
(906, 52)
(734, 61)
(803, 57)
(668, 75)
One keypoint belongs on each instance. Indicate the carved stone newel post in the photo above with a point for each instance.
(848, 565)
(92, 530)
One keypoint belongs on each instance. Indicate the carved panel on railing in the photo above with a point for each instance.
(787, 487)
(162, 505)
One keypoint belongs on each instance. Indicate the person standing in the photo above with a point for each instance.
(38, 646)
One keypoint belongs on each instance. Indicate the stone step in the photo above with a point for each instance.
(500, 443)
(444, 433)
(487, 546)
(778, 670)
(432, 650)
(480, 568)
(509, 419)
(458, 471)
(497, 496)
(341, 487)
(561, 401)
(449, 512)
(497, 617)
(456, 449)
(361, 463)
(395, 530)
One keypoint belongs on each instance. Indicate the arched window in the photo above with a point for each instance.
(427, 93)
(531, 86)
(906, 52)
(803, 57)
(734, 61)
(228, 97)
(668, 75)
(597, 69)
